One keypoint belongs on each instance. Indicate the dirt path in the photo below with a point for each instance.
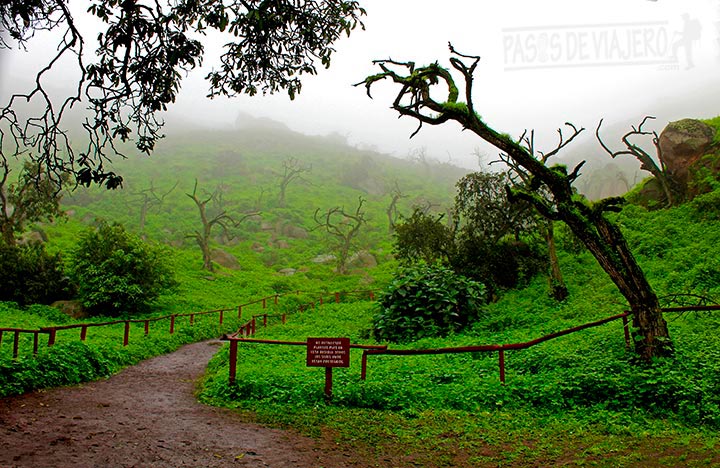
(146, 416)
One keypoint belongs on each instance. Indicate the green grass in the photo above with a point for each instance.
(452, 411)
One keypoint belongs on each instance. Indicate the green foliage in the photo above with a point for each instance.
(503, 265)
(427, 300)
(423, 237)
(30, 199)
(117, 272)
(30, 275)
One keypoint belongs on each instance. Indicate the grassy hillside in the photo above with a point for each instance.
(579, 400)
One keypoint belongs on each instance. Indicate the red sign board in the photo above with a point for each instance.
(328, 352)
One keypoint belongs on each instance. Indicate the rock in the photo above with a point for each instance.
(282, 244)
(325, 258)
(362, 259)
(294, 232)
(225, 259)
(72, 308)
(682, 143)
(33, 237)
(256, 247)
(265, 226)
(287, 271)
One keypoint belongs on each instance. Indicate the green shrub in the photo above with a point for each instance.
(501, 265)
(117, 272)
(30, 275)
(426, 301)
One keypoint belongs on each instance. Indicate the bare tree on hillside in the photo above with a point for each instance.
(344, 226)
(293, 171)
(149, 198)
(392, 210)
(214, 216)
(671, 188)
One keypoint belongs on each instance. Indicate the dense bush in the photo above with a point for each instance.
(427, 301)
(505, 264)
(423, 237)
(30, 275)
(117, 272)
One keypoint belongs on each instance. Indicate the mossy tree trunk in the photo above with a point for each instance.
(550, 189)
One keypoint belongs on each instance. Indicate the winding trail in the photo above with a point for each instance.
(147, 416)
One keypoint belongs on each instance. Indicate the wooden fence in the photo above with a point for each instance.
(171, 319)
(378, 350)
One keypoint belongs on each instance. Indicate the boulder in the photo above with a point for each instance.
(287, 271)
(282, 244)
(362, 259)
(682, 143)
(225, 259)
(294, 232)
(257, 247)
(72, 308)
(324, 258)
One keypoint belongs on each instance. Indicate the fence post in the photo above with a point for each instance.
(16, 344)
(83, 332)
(233, 361)
(372, 296)
(501, 358)
(363, 369)
(1, 334)
(35, 342)
(626, 331)
(276, 298)
(252, 326)
(284, 319)
(221, 316)
(337, 297)
(51, 337)
(126, 336)
(147, 327)
(264, 320)
(321, 300)
(239, 312)
(172, 324)
(192, 319)
(264, 302)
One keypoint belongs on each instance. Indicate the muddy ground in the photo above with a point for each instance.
(147, 416)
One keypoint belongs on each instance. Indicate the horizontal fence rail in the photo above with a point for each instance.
(378, 350)
(172, 319)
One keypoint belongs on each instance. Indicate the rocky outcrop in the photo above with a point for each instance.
(225, 259)
(362, 259)
(682, 144)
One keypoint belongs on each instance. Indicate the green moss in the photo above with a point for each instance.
(456, 107)
(715, 123)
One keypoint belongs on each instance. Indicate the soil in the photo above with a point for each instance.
(147, 416)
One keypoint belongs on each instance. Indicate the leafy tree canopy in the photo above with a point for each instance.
(143, 50)
(117, 272)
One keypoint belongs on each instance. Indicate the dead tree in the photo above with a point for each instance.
(293, 170)
(586, 220)
(344, 227)
(149, 198)
(209, 221)
(392, 211)
(671, 188)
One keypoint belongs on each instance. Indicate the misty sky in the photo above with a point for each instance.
(543, 63)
